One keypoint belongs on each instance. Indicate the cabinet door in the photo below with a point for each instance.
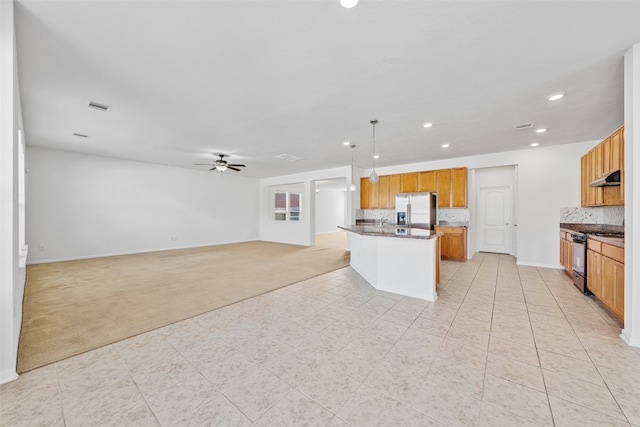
(409, 182)
(443, 187)
(584, 181)
(606, 155)
(568, 257)
(383, 192)
(374, 195)
(621, 153)
(395, 187)
(594, 273)
(364, 193)
(427, 181)
(456, 245)
(618, 290)
(608, 281)
(562, 246)
(597, 196)
(459, 187)
(615, 150)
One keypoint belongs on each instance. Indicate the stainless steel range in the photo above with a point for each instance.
(580, 260)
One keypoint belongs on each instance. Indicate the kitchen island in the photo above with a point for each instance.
(398, 259)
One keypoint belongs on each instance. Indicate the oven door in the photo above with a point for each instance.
(579, 257)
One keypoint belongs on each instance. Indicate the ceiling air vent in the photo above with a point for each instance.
(98, 106)
(81, 135)
(524, 126)
(289, 157)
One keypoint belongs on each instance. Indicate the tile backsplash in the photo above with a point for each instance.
(611, 215)
(450, 215)
(454, 215)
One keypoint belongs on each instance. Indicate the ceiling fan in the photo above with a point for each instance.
(221, 164)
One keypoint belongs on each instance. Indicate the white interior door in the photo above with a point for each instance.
(495, 224)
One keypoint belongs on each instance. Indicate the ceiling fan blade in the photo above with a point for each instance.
(236, 165)
(213, 168)
(232, 168)
(202, 164)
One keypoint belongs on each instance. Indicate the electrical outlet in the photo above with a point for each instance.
(41, 248)
(174, 238)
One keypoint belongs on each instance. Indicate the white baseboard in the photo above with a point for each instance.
(8, 376)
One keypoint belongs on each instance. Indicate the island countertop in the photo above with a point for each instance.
(391, 230)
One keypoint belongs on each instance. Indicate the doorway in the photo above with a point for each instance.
(495, 217)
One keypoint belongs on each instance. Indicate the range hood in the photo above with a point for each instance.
(609, 180)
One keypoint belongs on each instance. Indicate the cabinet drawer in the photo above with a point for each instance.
(594, 245)
(613, 252)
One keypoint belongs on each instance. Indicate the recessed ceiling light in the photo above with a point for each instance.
(376, 156)
(348, 4)
(446, 145)
(535, 144)
(427, 125)
(556, 96)
(346, 143)
(541, 130)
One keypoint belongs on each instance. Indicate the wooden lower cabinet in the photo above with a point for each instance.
(605, 275)
(453, 243)
(566, 252)
(594, 272)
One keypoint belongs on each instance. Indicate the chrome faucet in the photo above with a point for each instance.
(382, 221)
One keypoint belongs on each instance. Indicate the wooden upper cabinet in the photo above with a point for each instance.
(616, 150)
(604, 158)
(384, 201)
(395, 187)
(364, 193)
(621, 150)
(443, 187)
(459, 187)
(374, 195)
(409, 182)
(427, 181)
(584, 181)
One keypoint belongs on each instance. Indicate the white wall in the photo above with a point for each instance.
(12, 274)
(548, 179)
(81, 206)
(631, 332)
(299, 232)
(330, 205)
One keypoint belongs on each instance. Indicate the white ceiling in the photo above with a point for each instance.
(255, 79)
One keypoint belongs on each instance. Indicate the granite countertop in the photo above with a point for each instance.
(591, 229)
(453, 224)
(391, 230)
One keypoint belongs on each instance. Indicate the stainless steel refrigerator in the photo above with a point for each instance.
(416, 209)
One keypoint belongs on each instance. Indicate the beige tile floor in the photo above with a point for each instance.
(504, 345)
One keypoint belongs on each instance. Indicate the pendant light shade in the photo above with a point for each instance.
(374, 176)
(352, 186)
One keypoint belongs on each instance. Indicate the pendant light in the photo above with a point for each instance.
(352, 186)
(374, 176)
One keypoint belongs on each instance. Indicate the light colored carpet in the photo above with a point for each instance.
(74, 306)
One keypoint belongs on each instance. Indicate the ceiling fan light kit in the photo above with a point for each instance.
(221, 164)
(374, 176)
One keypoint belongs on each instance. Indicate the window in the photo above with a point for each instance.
(280, 206)
(294, 206)
(287, 206)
